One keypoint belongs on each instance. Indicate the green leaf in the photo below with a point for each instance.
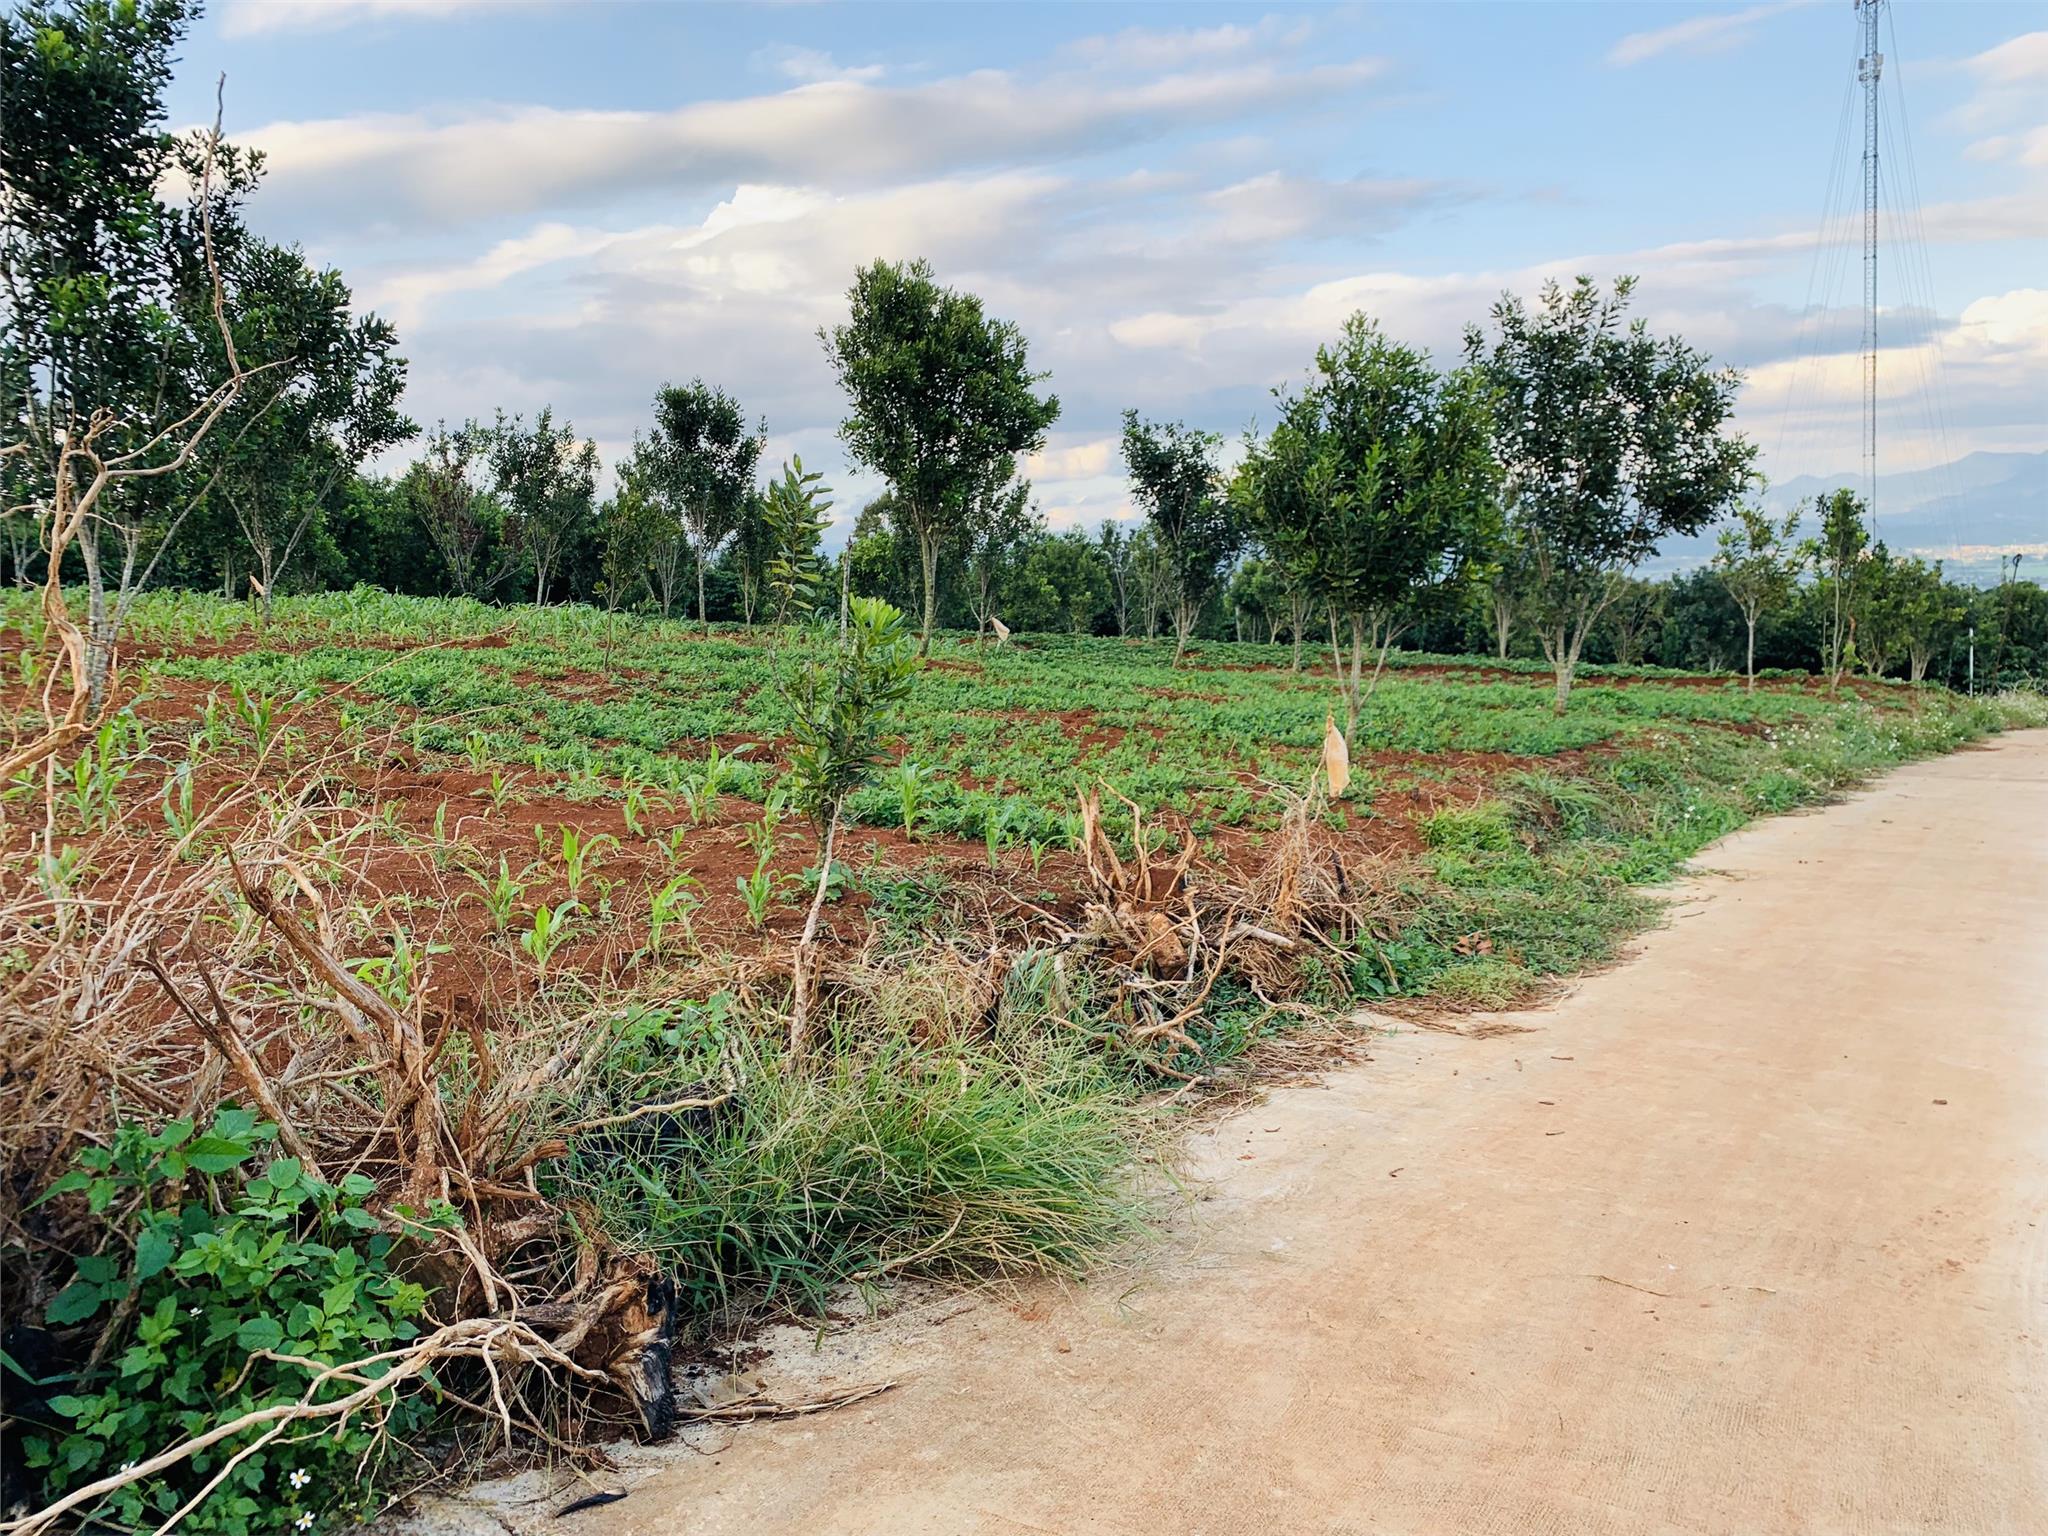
(74, 1304)
(216, 1154)
(71, 1407)
(77, 1178)
(284, 1172)
(233, 1124)
(260, 1333)
(154, 1250)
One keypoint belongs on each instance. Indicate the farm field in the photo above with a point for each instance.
(520, 760)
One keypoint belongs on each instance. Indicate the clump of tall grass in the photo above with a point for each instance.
(883, 1154)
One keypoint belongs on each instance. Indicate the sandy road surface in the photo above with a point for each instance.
(1748, 1236)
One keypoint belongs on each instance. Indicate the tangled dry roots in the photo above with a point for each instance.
(1156, 931)
(167, 980)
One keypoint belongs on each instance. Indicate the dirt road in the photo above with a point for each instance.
(1748, 1236)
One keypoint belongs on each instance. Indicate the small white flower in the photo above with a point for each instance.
(304, 1522)
(127, 1466)
(300, 1477)
(194, 1311)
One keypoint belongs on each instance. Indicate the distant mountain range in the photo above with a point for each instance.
(1965, 514)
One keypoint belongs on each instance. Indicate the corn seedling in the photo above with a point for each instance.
(908, 779)
(394, 974)
(444, 850)
(758, 892)
(581, 856)
(501, 895)
(635, 806)
(760, 836)
(993, 826)
(180, 817)
(673, 906)
(549, 931)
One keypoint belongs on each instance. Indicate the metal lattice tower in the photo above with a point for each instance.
(1869, 68)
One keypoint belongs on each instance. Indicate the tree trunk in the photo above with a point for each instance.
(1503, 626)
(928, 554)
(540, 583)
(703, 612)
(1351, 683)
(1184, 616)
(1749, 664)
(1562, 655)
(99, 636)
(801, 979)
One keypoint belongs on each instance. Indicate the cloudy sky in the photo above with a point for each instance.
(569, 203)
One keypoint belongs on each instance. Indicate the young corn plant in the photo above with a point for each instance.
(757, 890)
(637, 802)
(549, 931)
(839, 697)
(97, 775)
(581, 856)
(501, 895)
(760, 836)
(995, 826)
(908, 779)
(674, 906)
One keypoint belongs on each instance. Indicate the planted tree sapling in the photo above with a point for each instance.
(839, 698)
(794, 515)
(1837, 554)
(549, 481)
(1377, 490)
(702, 456)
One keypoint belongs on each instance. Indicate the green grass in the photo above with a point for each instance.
(889, 1156)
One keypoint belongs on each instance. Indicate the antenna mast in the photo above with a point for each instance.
(1868, 70)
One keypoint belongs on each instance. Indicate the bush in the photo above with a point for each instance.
(240, 1289)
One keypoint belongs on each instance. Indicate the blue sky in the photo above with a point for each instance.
(569, 203)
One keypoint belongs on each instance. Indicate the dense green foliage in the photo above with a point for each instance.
(242, 1287)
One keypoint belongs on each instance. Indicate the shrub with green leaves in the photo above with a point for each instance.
(235, 1290)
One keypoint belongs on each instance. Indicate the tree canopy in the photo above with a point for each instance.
(1609, 439)
(943, 398)
(1376, 489)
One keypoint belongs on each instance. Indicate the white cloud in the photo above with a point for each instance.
(1714, 32)
(1148, 48)
(414, 169)
(812, 64)
(1084, 460)
(1276, 206)
(2021, 60)
(255, 18)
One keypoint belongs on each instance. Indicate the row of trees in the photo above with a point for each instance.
(1391, 500)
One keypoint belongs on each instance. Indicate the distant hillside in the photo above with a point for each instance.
(1964, 514)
